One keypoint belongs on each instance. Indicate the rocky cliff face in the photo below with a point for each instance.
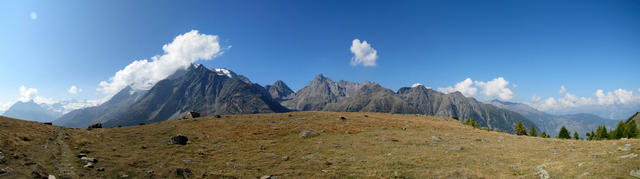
(208, 92)
(320, 92)
(279, 90)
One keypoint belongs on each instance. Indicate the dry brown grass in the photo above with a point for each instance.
(359, 147)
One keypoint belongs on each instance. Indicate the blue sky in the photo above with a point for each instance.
(536, 45)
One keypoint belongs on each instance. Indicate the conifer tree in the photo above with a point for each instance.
(576, 136)
(601, 133)
(533, 131)
(519, 129)
(632, 130)
(544, 135)
(619, 131)
(472, 122)
(564, 133)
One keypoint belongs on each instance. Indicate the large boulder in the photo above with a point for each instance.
(190, 115)
(95, 126)
(178, 139)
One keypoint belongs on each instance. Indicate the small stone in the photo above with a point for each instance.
(82, 155)
(307, 157)
(290, 115)
(404, 128)
(218, 116)
(5, 171)
(436, 138)
(458, 148)
(265, 177)
(584, 174)
(285, 158)
(124, 175)
(187, 160)
(630, 156)
(580, 164)
(325, 171)
(514, 167)
(260, 148)
(327, 163)
(87, 159)
(51, 177)
(342, 118)
(149, 172)
(101, 169)
(143, 147)
(595, 156)
(88, 165)
(183, 172)
(542, 173)
(635, 173)
(308, 134)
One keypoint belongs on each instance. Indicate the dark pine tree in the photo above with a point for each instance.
(576, 136)
(519, 129)
(632, 130)
(619, 131)
(544, 135)
(564, 133)
(601, 133)
(533, 131)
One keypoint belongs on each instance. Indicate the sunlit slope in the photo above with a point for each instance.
(370, 145)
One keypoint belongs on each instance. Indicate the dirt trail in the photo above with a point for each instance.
(64, 156)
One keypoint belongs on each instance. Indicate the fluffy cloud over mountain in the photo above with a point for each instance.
(465, 87)
(617, 104)
(498, 88)
(179, 54)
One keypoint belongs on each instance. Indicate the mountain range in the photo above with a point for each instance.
(221, 91)
(32, 111)
(551, 124)
(323, 94)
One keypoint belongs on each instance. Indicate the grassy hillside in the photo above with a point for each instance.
(369, 145)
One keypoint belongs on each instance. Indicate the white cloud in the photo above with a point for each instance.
(74, 90)
(465, 87)
(33, 15)
(496, 88)
(562, 90)
(179, 54)
(570, 102)
(27, 94)
(363, 53)
(536, 98)
(5, 106)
